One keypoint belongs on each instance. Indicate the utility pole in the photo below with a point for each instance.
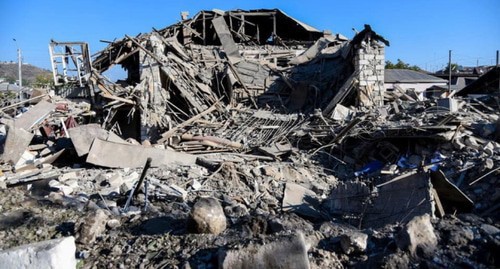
(449, 71)
(498, 70)
(19, 62)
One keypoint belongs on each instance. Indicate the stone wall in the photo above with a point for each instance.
(369, 64)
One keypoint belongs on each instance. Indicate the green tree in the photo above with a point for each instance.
(401, 65)
(11, 80)
(43, 81)
(454, 68)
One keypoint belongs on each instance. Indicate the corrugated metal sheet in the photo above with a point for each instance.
(409, 76)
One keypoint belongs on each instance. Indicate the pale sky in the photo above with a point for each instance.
(421, 32)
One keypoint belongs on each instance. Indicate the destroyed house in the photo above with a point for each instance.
(261, 57)
(419, 82)
(251, 126)
(489, 83)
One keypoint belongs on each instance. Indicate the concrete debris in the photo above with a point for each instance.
(34, 116)
(410, 195)
(288, 252)
(55, 253)
(300, 200)
(83, 136)
(253, 126)
(113, 224)
(490, 229)
(16, 142)
(289, 222)
(418, 237)
(91, 227)
(207, 216)
(117, 155)
(355, 242)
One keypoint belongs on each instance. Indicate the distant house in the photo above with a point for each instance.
(411, 80)
(463, 76)
(484, 85)
(20, 94)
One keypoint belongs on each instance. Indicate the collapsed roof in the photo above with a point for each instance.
(226, 102)
(263, 57)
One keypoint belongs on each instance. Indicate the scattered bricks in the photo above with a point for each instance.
(285, 253)
(354, 242)
(418, 237)
(55, 253)
(207, 216)
(91, 227)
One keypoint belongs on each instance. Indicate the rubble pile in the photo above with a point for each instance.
(248, 139)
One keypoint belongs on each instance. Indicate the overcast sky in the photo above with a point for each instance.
(421, 32)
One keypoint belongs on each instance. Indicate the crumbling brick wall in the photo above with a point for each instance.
(369, 64)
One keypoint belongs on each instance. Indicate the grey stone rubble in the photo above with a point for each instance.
(55, 253)
(272, 147)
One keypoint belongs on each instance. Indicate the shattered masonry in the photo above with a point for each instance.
(284, 128)
(218, 58)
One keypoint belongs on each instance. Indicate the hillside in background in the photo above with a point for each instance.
(9, 72)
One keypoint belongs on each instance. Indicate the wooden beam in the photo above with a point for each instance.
(169, 133)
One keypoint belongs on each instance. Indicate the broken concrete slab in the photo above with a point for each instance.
(117, 155)
(32, 162)
(313, 51)
(34, 115)
(288, 252)
(276, 149)
(347, 198)
(83, 136)
(300, 200)
(452, 198)
(226, 39)
(55, 253)
(16, 143)
(400, 199)
(342, 113)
